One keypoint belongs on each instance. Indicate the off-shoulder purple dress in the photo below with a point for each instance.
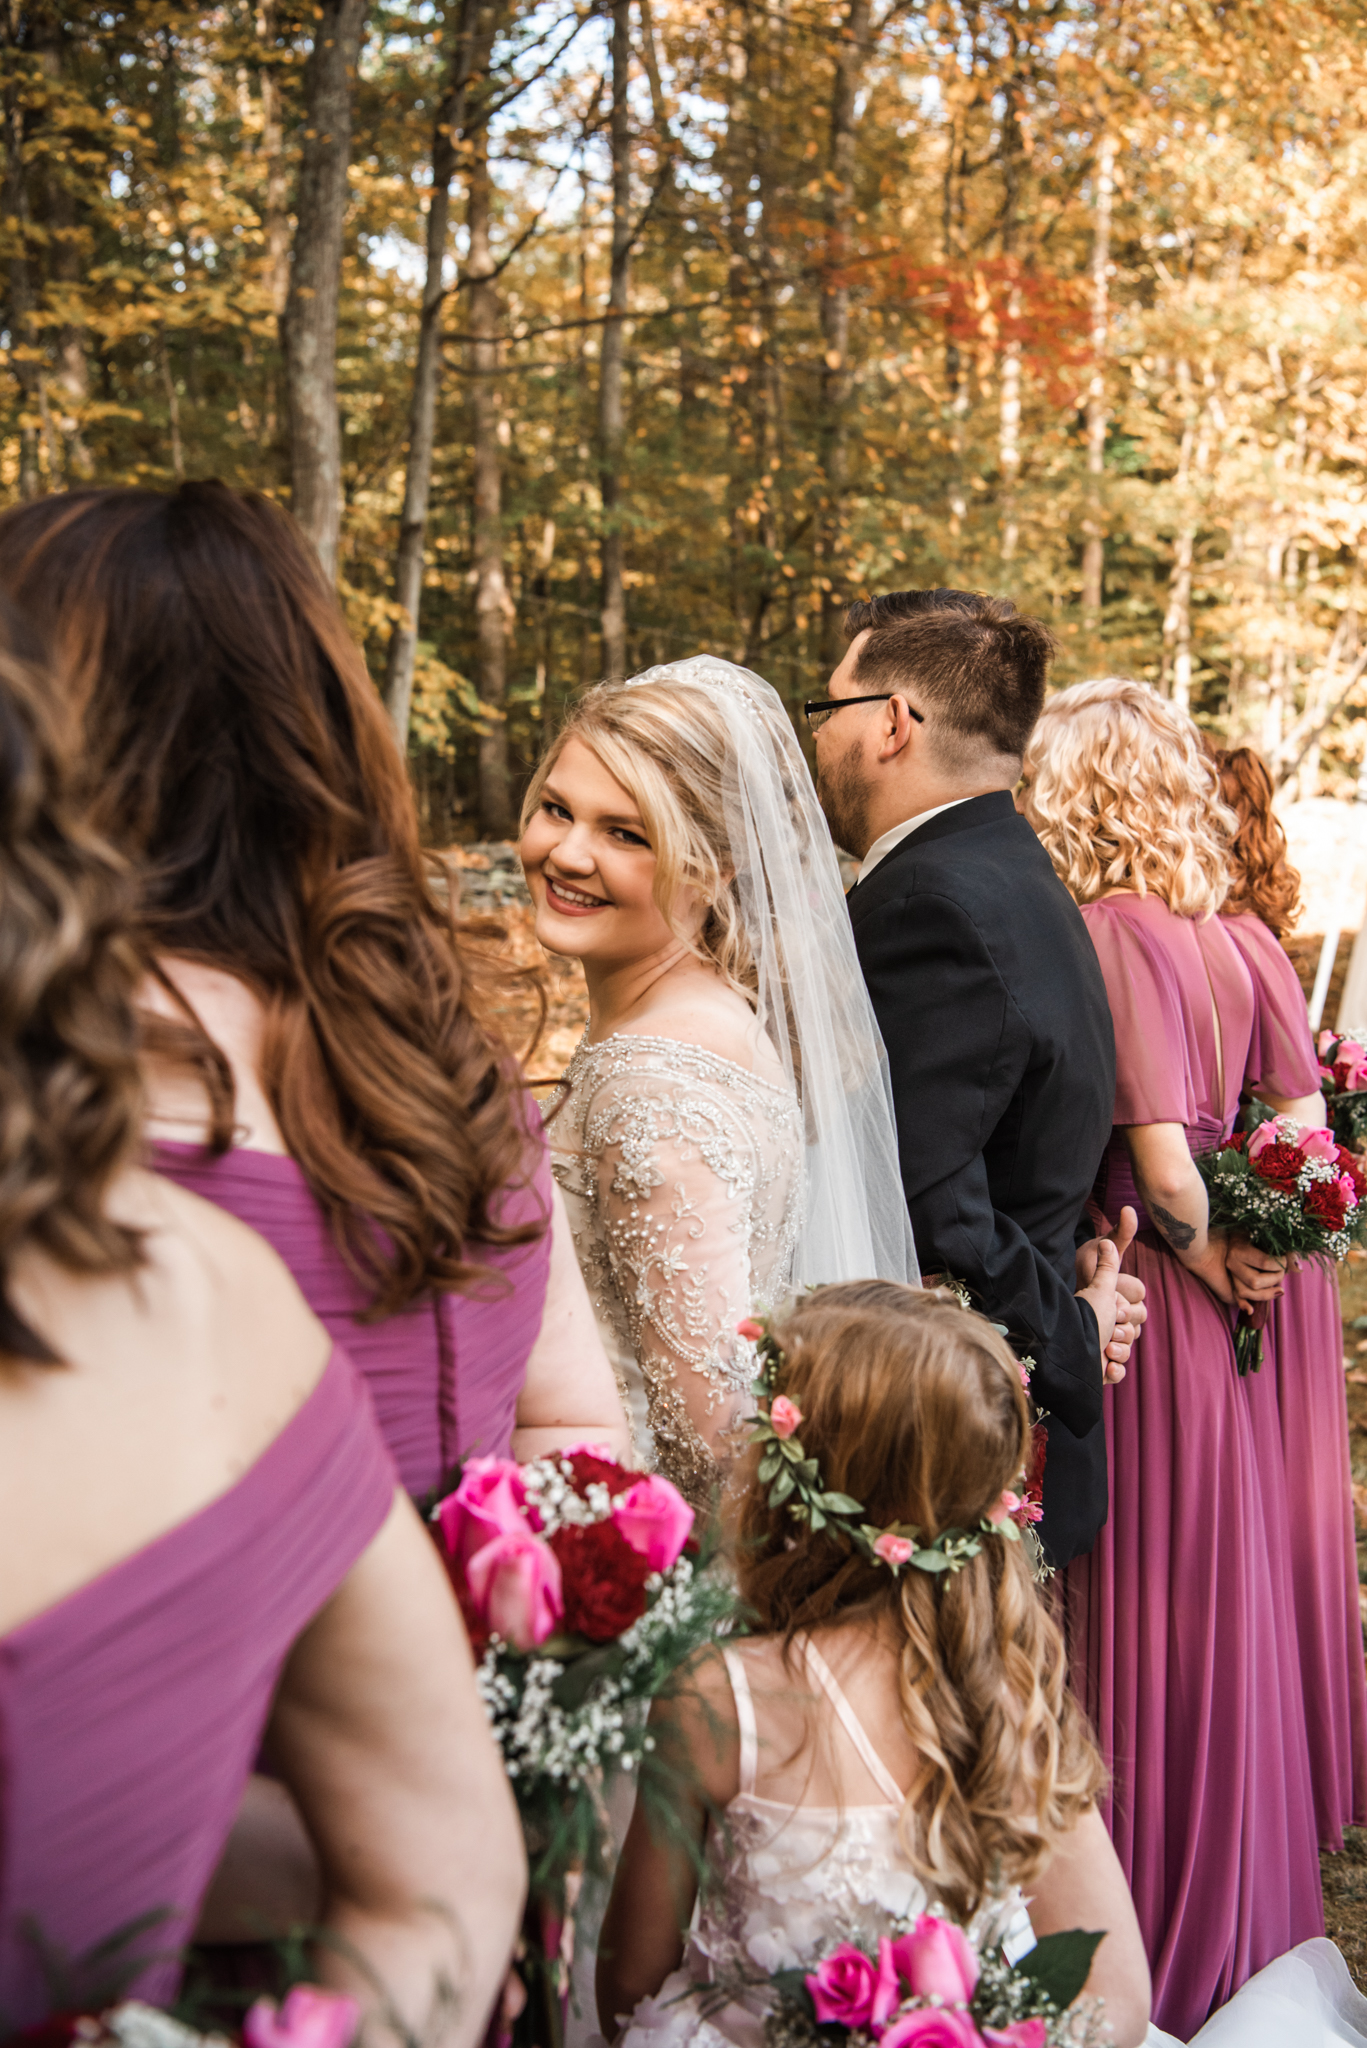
(1300, 1414)
(445, 1375)
(1177, 1618)
(131, 1712)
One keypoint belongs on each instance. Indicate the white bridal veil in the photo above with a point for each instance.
(812, 998)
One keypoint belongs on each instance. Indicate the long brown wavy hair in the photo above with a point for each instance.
(914, 1407)
(1262, 878)
(237, 751)
(70, 1093)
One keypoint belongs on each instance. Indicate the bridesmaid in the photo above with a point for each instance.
(1298, 1400)
(1176, 1617)
(318, 1068)
(199, 1522)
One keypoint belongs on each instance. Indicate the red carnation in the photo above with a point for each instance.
(1326, 1205)
(604, 1579)
(1234, 1143)
(591, 1470)
(1280, 1164)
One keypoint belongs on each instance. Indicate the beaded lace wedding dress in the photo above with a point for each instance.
(682, 1176)
(699, 1188)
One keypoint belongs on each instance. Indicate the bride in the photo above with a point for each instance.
(724, 1132)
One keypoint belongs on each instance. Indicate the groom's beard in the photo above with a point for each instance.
(845, 800)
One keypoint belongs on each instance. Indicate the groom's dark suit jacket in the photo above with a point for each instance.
(991, 1002)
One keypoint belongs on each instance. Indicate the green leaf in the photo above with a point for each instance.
(769, 1464)
(781, 1489)
(1059, 1963)
(930, 1560)
(841, 1504)
(815, 1516)
(792, 1450)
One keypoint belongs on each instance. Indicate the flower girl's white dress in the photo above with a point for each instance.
(789, 1882)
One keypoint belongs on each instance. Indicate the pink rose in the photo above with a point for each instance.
(843, 1985)
(1347, 1187)
(1323, 1043)
(516, 1588)
(1350, 1049)
(750, 1329)
(784, 1415)
(1354, 1076)
(1268, 1133)
(1318, 1144)
(655, 1519)
(1020, 2034)
(937, 1960)
(893, 1549)
(490, 1501)
(309, 2018)
(929, 2028)
(1007, 1505)
(887, 1992)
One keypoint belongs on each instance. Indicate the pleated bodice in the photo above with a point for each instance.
(445, 1375)
(132, 1710)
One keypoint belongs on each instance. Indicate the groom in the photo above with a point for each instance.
(987, 991)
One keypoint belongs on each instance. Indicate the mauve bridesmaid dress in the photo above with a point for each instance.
(132, 1711)
(1177, 1619)
(1300, 1414)
(445, 1375)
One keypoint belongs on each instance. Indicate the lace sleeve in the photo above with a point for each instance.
(678, 1166)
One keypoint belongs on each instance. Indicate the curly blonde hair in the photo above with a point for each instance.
(666, 743)
(914, 1406)
(1122, 793)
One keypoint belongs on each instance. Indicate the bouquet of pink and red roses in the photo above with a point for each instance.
(932, 1987)
(1291, 1193)
(584, 1591)
(1343, 1078)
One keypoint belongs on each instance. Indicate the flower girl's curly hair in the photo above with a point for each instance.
(914, 1406)
(1123, 794)
(70, 1094)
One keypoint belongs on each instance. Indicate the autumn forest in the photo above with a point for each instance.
(584, 334)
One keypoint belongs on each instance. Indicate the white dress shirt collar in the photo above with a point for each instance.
(882, 847)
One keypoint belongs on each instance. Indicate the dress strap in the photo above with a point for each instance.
(821, 1671)
(745, 1715)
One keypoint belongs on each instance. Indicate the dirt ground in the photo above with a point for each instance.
(490, 886)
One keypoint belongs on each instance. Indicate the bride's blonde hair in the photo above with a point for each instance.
(914, 1406)
(667, 744)
(1121, 790)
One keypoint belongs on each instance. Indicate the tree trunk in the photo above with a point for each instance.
(835, 321)
(422, 410)
(23, 354)
(492, 607)
(1177, 620)
(1093, 527)
(311, 309)
(956, 383)
(611, 414)
(1008, 440)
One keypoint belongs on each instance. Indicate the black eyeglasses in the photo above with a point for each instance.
(818, 709)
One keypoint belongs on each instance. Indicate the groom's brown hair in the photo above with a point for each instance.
(974, 662)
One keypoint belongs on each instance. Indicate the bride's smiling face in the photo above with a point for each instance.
(589, 865)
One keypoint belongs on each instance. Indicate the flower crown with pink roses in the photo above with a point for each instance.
(794, 1483)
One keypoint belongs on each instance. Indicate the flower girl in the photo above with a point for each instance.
(897, 1733)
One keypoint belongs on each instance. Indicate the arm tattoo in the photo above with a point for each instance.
(1178, 1233)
